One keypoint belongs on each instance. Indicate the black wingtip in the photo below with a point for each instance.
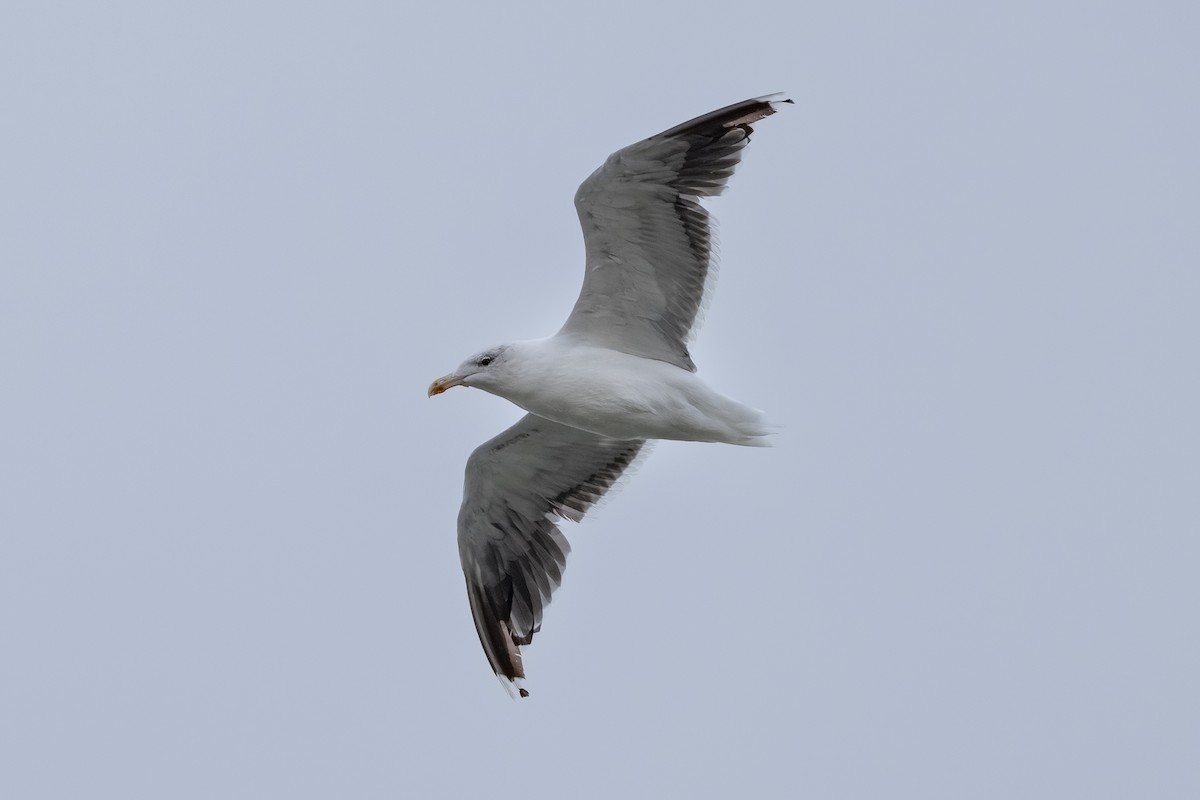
(739, 115)
(500, 646)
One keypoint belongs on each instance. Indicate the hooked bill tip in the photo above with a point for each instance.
(443, 383)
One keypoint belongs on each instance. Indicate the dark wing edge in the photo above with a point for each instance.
(672, 240)
(743, 113)
(513, 554)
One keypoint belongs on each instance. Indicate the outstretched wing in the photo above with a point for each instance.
(512, 553)
(648, 239)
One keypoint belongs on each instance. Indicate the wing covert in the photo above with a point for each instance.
(649, 242)
(512, 552)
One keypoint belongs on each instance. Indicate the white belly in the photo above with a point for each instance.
(626, 397)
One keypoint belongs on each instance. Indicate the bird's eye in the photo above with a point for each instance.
(483, 362)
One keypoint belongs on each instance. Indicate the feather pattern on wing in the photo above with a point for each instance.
(649, 242)
(512, 552)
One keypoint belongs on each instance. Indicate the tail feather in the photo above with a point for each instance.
(752, 428)
(742, 424)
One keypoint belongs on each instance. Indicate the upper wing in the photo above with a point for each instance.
(648, 240)
(512, 553)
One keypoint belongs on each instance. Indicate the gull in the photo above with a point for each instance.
(617, 374)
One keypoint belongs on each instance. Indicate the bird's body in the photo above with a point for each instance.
(617, 374)
(620, 396)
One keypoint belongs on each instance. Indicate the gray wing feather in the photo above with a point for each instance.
(649, 241)
(512, 552)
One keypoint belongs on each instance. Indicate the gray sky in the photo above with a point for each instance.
(962, 272)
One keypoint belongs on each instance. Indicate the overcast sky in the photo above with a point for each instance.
(237, 242)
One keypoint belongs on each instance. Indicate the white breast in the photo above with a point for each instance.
(621, 396)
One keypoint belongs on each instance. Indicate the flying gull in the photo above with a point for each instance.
(617, 374)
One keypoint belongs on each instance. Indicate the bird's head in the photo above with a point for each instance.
(484, 370)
